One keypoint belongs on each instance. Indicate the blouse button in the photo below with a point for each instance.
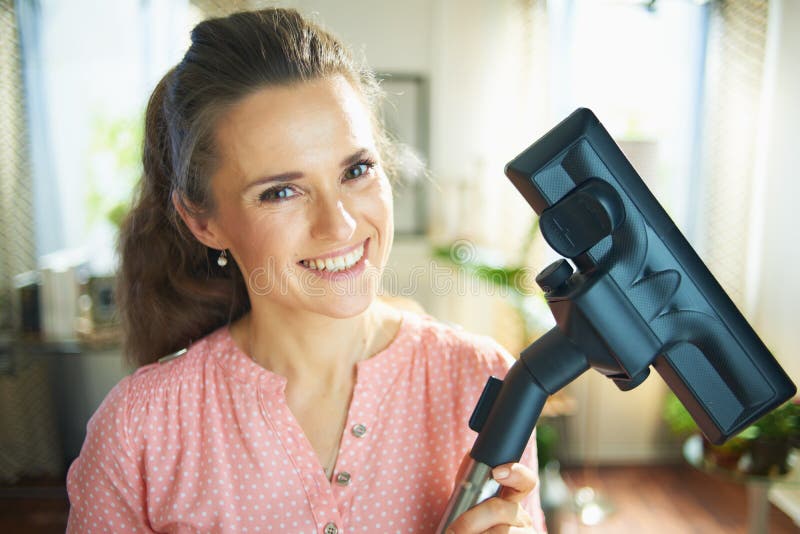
(359, 430)
(331, 528)
(343, 478)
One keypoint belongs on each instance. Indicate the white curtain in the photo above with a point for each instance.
(750, 180)
(68, 68)
(16, 207)
(88, 64)
(772, 287)
(734, 105)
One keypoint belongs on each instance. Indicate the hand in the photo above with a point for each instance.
(503, 513)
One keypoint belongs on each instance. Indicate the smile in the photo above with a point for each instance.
(336, 263)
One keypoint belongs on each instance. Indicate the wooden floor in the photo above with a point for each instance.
(34, 507)
(666, 500)
(648, 500)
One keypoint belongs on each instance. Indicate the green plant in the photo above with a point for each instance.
(766, 442)
(546, 442)
(681, 423)
(677, 417)
(114, 165)
(774, 437)
(515, 281)
(783, 423)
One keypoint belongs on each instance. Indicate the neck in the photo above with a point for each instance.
(310, 348)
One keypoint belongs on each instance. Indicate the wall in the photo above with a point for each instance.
(394, 36)
(81, 382)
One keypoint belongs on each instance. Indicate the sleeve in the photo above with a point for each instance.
(500, 361)
(105, 484)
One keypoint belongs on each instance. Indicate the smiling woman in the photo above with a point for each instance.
(210, 137)
(257, 242)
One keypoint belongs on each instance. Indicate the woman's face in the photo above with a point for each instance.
(302, 201)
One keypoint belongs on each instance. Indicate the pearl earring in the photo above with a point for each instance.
(222, 260)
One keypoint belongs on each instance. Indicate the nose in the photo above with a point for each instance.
(332, 221)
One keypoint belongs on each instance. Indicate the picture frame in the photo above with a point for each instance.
(405, 113)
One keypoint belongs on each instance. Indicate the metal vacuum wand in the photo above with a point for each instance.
(468, 493)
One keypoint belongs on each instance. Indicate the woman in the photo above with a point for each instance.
(303, 403)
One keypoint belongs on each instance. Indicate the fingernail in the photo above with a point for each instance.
(500, 473)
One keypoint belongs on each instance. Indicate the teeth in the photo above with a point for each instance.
(339, 263)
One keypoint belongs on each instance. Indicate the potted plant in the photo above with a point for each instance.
(774, 436)
(682, 425)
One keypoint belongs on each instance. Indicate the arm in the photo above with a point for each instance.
(105, 483)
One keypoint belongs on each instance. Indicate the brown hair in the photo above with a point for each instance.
(170, 290)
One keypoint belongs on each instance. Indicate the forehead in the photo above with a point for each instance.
(278, 128)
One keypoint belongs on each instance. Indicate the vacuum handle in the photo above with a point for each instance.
(508, 410)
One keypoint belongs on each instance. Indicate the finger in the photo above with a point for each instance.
(517, 480)
(494, 512)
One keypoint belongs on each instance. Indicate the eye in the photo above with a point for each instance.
(278, 193)
(360, 169)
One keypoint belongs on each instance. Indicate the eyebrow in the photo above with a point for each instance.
(292, 176)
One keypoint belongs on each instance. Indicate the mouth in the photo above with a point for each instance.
(333, 264)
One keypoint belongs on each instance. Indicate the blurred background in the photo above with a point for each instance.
(700, 95)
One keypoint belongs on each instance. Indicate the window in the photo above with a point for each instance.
(89, 68)
(640, 70)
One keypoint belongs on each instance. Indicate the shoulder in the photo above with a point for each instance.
(173, 369)
(450, 346)
(149, 389)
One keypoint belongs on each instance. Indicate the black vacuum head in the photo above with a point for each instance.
(596, 210)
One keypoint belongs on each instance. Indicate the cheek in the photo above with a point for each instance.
(379, 212)
(388, 199)
(378, 205)
(387, 202)
(263, 240)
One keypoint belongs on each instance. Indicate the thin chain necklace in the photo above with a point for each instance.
(329, 466)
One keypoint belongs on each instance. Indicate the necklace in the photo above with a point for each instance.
(368, 347)
(329, 466)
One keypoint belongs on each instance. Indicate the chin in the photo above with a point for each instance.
(347, 308)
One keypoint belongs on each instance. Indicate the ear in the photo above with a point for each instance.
(200, 227)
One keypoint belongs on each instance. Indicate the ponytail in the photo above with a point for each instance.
(169, 291)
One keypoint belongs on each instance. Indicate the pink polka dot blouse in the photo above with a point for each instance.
(206, 443)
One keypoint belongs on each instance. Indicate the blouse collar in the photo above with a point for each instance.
(240, 366)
